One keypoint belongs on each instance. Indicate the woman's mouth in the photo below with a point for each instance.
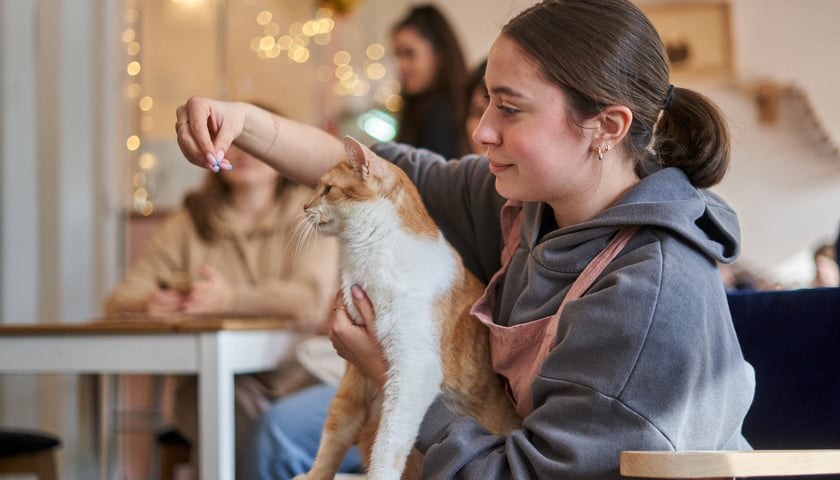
(496, 168)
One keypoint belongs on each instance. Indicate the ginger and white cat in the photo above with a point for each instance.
(422, 295)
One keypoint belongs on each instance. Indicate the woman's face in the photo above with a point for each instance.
(416, 59)
(536, 151)
(827, 273)
(247, 172)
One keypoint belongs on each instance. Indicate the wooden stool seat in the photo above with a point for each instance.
(32, 452)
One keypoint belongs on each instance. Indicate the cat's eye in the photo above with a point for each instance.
(326, 190)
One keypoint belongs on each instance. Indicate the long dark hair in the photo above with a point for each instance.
(606, 52)
(215, 192)
(448, 83)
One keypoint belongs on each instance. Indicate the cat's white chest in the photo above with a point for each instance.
(404, 278)
(405, 271)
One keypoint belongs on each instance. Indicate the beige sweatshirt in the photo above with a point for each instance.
(272, 270)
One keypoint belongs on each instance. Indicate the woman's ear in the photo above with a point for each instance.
(613, 124)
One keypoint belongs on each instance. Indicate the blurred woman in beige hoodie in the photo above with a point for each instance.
(237, 242)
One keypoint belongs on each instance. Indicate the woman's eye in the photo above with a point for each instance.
(506, 111)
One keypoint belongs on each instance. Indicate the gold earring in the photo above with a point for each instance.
(602, 150)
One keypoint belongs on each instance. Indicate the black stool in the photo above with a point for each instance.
(27, 451)
(173, 449)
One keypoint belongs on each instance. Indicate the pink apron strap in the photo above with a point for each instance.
(522, 371)
(595, 267)
(586, 278)
(511, 219)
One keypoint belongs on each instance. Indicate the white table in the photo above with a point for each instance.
(214, 349)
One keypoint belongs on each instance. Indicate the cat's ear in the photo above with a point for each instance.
(363, 160)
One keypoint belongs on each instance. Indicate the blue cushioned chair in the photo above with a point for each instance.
(792, 339)
(28, 452)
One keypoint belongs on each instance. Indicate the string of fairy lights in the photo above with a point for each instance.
(347, 79)
(145, 162)
(364, 76)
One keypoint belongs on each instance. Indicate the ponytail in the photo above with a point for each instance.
(692, 135)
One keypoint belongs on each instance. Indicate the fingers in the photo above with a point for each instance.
(226, 131)
(202, 134)
(338, 303)
(163, 302)
(212, 294)
(193, 142)
(338, 318)
(358, 343)
(351, 341)
(200, 300)
(363, 305)
(166, 296)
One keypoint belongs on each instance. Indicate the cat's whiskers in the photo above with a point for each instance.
(304, 231)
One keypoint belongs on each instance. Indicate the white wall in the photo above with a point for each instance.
(57, 157)
(18, 186)
(785, 178)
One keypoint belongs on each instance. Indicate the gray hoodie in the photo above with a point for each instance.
(647, 359)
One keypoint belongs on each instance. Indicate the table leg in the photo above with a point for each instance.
(215, 411)
(107, 436)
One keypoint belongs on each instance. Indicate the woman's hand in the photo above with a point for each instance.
(163, 302)
(206, 128)
(211, 294)
(358, 343)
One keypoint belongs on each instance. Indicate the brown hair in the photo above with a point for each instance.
(448, 83)
(606, 52)
(215, 192)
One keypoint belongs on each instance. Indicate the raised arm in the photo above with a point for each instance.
(206, 128)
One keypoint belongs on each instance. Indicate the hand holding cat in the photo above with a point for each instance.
(211, 294)
(357, 343)
(206, 128)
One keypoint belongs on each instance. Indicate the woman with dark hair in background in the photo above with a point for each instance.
(477, 101)
(432, 72)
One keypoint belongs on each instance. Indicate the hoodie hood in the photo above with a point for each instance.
(667, 200)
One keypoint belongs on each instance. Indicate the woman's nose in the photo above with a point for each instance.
(485, 132)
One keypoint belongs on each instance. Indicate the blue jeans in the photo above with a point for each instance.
(286, 437)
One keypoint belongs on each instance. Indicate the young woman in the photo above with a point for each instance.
(592, 193)
(432, 71)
